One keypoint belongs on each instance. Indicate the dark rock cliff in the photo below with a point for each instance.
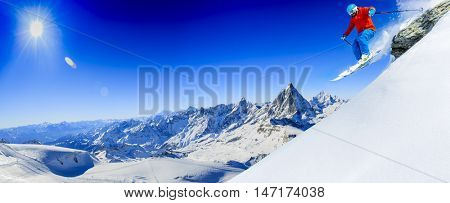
(415, 31)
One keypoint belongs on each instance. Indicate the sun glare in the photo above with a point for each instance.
(36, 29)
(37, 34)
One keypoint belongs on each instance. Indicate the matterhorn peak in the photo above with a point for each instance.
(290, 92)
(290, 104)
(290, 88)
(290, 85)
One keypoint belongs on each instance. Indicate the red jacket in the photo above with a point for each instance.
(361, 20)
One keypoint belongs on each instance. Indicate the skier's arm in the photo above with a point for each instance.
(370, 11)
(350, 28)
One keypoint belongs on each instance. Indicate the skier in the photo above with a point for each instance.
(361, 18)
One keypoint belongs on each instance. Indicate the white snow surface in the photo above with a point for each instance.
(396, 130)
(43, 163)
(159, 170)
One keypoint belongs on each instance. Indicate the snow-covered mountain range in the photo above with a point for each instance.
(205, 134)
(47, 132)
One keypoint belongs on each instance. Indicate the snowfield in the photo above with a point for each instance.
(156, 170)
(396, 130)
(41, 163)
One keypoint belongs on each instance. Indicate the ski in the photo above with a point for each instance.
(355, 68)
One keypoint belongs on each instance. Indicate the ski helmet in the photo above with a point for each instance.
(352, 9)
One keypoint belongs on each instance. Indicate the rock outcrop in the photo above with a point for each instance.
(415, 31)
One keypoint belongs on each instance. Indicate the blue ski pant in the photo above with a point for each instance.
(361, 44)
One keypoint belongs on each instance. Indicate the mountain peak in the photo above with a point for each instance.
(242, 106)
(290, 103)
(326, 99)
(191, 109)
(290, 87)
(290, 90)
(289, 93)
(326, 103)
(322, 94)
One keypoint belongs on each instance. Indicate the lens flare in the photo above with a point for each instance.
(70, 62)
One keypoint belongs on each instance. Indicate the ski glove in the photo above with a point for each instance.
(372, 11)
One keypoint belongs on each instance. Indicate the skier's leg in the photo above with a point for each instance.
(356, 49)
(363, 41)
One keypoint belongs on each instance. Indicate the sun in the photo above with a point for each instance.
(36, 28)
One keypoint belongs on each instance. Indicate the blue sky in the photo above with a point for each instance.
(37, 86)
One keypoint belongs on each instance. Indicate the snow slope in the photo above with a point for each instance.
(156, 170)
(60, 161)
(396, 130)
(41, 163)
